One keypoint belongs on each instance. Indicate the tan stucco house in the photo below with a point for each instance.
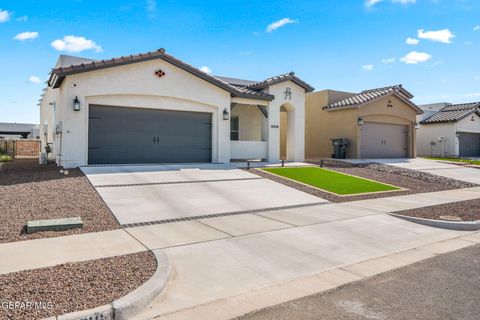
(155, 108)
(377, 123)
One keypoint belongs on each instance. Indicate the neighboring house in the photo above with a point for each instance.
(19, 131)
(378, 123)
(154, 108)
(451, 131)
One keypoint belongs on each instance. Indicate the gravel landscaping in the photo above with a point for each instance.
(412, 180)
(466, 210)
(74, 286)
(33, 192)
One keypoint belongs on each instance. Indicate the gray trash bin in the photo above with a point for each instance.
(339, 148)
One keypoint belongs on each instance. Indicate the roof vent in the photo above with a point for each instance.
(161, 50)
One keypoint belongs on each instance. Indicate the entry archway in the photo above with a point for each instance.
(287, 132)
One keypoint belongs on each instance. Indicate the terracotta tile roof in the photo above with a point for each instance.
(371, 95)
(58, 74)
(281, 78)
(453, 113)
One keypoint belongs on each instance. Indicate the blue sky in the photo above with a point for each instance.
(348, 45)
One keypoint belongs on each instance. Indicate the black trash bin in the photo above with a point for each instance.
(339, 148)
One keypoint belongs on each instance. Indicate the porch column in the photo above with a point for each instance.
(273, 132)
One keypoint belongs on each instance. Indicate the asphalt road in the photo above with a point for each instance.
(444, 287)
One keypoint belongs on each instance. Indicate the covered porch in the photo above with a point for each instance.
(248, 132)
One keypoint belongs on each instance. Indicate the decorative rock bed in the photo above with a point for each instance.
(73, 286)
(33, 192)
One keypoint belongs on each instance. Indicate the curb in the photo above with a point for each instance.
(128, 306)
(134, 302)
(450, 225)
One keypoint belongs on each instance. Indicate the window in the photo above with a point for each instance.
(234, 129)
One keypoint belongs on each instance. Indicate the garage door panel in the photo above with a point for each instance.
(135, 135)
(382, 140)
(469, 144)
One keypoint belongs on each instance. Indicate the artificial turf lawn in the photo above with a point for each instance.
(331, 181)
(475, 162)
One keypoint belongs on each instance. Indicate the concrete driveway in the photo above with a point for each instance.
(438, 168)
(156, 193)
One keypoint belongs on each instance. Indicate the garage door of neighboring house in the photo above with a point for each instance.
(381, 140)
(469, 144)
(122, 135)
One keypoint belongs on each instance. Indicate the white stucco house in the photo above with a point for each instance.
(449, 130)
(154, 108)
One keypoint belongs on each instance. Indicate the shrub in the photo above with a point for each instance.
(5, 158)
(2, 151)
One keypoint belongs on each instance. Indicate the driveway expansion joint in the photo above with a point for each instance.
(222, 214)
(172, 182)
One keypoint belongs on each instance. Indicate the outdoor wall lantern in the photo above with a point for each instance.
(226, 115)
(417, 126)
(76, 104)
(360, 121)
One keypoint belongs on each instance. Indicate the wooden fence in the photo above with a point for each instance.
(21, 148)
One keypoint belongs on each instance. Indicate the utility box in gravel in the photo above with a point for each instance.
(54, 224)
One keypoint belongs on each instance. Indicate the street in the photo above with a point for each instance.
(444, 287)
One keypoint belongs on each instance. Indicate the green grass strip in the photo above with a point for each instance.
(331, 181)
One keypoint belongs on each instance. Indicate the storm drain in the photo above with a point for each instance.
(216, 215)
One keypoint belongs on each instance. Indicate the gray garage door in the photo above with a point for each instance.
(134, 135)
(469, 144)
(381, 140)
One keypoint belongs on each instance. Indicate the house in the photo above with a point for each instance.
(377, 123)
(154, 108)
(450, 130)
(19, 131)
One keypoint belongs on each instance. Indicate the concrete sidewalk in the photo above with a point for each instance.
(33, 254)
(211, 276)
(418, 200)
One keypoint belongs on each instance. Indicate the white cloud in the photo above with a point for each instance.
(75, 44)
(415, 57)
(22, 18)
(245, 53)
(4, 15)
(475, 94)
(206, 69)
(28, 35)
(476, 28)
(278, 24)
(33, 79)
(443, 36)
(436, 63)
(468, 43)
(389, 60)
(152, 8)
(367, 67)
(412, 41)
(371, 3)
(476, 78)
